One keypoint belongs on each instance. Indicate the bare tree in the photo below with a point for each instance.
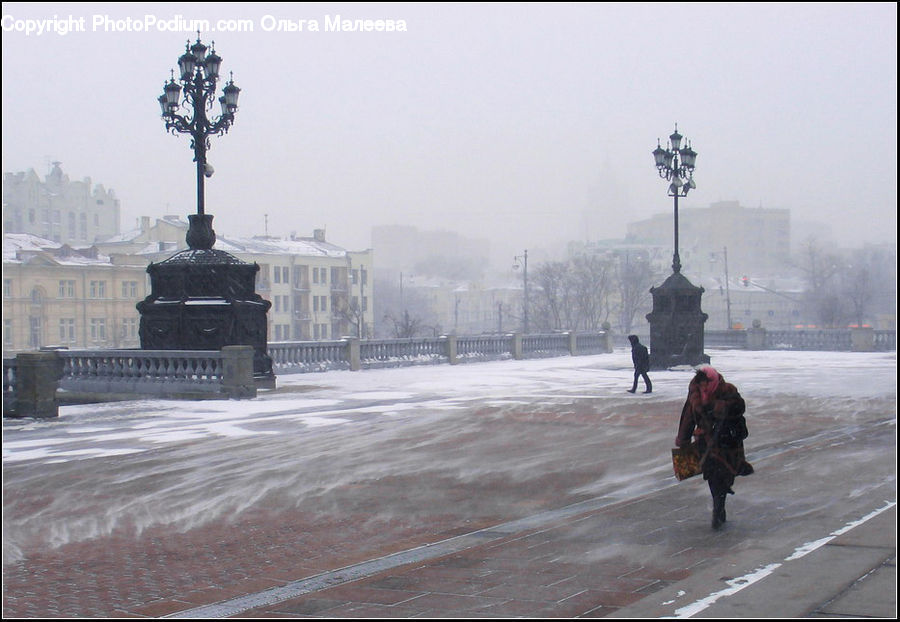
(401, 311)
(634, 278)
(572, 295)
(404, 326)
(352, 314)
(591, 283)
(821, 270)
(550, 298)
(868, 283)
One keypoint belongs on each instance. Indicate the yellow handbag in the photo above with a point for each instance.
(686, 461)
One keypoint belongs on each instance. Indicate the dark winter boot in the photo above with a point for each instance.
(718, 513)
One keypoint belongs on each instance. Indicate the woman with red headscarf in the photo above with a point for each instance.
(714, 414)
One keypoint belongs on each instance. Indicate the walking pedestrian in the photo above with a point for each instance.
(641, 359)
(714, 414)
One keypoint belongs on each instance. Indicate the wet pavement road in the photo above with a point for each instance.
(457, 492)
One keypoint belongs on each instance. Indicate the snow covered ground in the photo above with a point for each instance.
(494, 432)
(306, 402)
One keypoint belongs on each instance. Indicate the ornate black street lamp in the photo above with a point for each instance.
(676, 165)
(186, 109)
(203, 298)
(676, 322)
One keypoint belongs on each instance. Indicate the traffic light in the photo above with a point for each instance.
(746, 281)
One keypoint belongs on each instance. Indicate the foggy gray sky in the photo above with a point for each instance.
(526, 122)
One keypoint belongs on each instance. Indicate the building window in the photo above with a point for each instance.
(98, 289)
(98, 329)
(129, 328)
(67, 330)
(34, 335)
(129, 289)
(7, 332)
(67, 289)
(7, 288)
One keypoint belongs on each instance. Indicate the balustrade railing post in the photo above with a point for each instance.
(573, 346)
(37, 379)
(353, 353)
(756, 338)
(862, 339)
(237, 366)
(517, 346)
(452, 349)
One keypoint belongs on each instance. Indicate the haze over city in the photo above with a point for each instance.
(523, 124)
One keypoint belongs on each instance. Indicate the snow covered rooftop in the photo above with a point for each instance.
(264, 245)
(25, 247)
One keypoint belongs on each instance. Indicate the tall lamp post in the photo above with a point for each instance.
(203, 298)
(676, 165)
(190, 114)
(676, 322)
(524, 260)
(714, 257)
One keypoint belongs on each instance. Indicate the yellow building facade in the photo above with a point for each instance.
(54, 295)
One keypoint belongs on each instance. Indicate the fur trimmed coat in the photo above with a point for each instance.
(716, 421)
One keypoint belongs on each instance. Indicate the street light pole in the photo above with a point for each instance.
(199, 73)
(203, 298)
(676, 165)
(524, 259)
(727, 289)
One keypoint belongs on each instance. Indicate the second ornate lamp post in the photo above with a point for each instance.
(676, 322)
(676, 165)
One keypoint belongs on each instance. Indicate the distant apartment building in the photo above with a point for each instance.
(776, 304)
(318, 290)
(57, 209)
(56, 295)
(758, 239)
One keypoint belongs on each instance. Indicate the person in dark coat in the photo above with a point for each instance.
(714, 415)
(641, 359)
